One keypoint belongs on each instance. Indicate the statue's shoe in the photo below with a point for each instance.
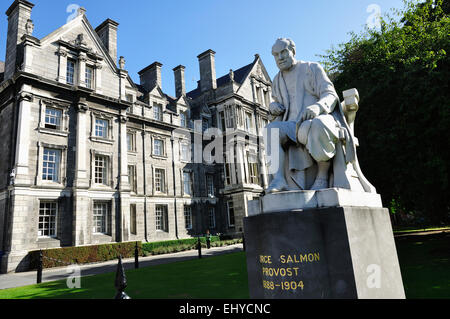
(320, 183)
(277, 186)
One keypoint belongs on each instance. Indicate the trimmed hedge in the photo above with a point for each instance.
(169, 246)
(59, 257)
(83, 255)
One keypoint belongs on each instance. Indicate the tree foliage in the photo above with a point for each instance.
(402, 73)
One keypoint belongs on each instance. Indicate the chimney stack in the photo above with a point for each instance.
(18, 15)
(151, 76)
(180, 86)
(207, 64)
(107, 31)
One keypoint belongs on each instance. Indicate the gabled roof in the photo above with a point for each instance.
(239, 77)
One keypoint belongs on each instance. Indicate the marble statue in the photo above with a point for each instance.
(316, 146)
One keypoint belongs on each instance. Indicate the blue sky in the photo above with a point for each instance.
(174, 32)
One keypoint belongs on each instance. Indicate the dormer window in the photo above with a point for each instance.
(70, 75)
(157, 112)
(183, 119)
(89, 77)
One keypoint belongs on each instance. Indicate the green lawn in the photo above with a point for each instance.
(207, 278)
(424, 261)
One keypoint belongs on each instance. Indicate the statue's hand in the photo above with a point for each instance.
(276, 109)
(311, 112)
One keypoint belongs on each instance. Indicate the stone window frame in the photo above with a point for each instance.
(110, 177)
(56, 217)
(106, 117)
(109, 218)
(81, 57)
(62, 165)
(64, 126)
(164, 140)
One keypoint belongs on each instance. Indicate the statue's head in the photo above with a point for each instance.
(284, 53)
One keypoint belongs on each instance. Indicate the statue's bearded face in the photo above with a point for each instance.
(284, 57)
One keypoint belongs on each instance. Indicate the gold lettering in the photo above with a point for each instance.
(282, 259)
(317, 256)
(303, 258)
(296, 270)
(289, 259)
(265, 259)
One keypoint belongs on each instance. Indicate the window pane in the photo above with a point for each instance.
(212, 217)
(230, 214)
(187, 183)
(133, 221)
(89, 77)
(183, 119)
(161, 218)
(158, 148)
(47, 219)
(70, 72)
(53, 118)
(210, 185)
(157, 112)
(50, 165)
(100, 218)
(101, 128)
(188, 217)
(101, 170)
(159, 180)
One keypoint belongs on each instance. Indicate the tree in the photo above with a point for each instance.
(402, 73)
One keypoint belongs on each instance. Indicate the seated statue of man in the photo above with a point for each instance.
(310, 123)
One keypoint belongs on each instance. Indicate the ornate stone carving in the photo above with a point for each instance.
(29, 27)
(82, 107)
(231, 74)
(122, 63)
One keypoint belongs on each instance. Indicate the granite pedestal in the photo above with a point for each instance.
(319, 253)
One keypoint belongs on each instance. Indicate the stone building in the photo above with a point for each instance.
(90, 157)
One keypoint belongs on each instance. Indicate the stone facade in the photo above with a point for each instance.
(88, 156)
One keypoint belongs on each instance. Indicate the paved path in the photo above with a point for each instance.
(12, 280)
